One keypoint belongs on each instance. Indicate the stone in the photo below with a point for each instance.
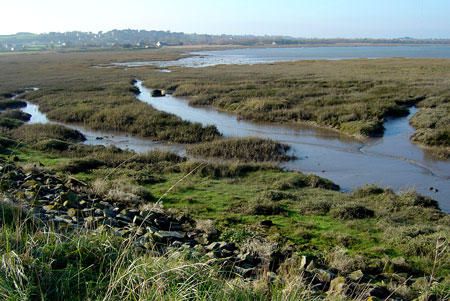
(356, 275)
(311, 266)
(221, 246)
(267, 223)
(169, 235)
(324, 275)
(337, 287)
(109, 213)
(158, 93)
(48, 207)
(59, 219)
(379, 292)
(244, 272)
(302, 263)
(124, 218)
(72, 212)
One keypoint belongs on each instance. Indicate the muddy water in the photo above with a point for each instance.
(392, 161)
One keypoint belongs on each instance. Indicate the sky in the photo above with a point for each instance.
(297, 18)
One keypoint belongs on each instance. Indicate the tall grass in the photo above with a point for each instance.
(43, 264)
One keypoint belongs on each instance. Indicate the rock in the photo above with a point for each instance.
(324, 275)
(248, 258)
(267, 223)
(303, 263)
(337, 287)
(168, 235)
(356, 275)
(48, 207)
(72, 212)
(110, 222)
(59, 219)
(70, 199)
(124, 218)
(110, 213)
(244, 272)
(221, 246)
(379, 292)
(311, 266)
(158, 93)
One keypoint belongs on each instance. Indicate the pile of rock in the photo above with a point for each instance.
(67, 204)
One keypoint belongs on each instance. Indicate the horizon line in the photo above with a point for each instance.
(235, 35)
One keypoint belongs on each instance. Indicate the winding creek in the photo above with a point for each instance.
(391, 161)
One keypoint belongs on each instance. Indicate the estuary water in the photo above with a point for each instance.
(251, 56)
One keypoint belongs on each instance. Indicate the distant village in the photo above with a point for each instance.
(143, 39)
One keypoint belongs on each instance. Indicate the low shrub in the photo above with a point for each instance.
(299, 180)
(319, 207)
(6, 142)
(412, 198)
(34, 133)
(367, 190)
(224, 170)
(146, 177)
(258, 207)
(276, 195)
(242, 149)
(52, 145)
(353, 211)
(81, 165)
(340, 259)
(10, 123)
(16, 114)
(372, 128)
(12, 104)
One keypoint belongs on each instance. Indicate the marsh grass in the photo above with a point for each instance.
(242, 149)
(353, 96)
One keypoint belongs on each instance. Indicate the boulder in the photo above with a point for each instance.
(337, 287)
(169, 235)
(158, 93)
(356, 275)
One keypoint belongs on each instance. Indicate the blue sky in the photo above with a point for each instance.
(299, 18)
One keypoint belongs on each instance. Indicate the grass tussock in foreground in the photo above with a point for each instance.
(49, 265)
(242, 149)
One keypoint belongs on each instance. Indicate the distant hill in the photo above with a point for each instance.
(128, 38)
